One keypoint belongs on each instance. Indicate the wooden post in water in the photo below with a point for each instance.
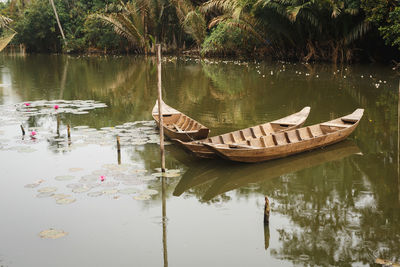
(58, 125)
(68, 131)
(266, 211)
(164, 220)
(22, 129)
(119, 150)
(159, 107)
(398, 142)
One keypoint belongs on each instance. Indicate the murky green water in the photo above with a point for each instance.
(334, 206)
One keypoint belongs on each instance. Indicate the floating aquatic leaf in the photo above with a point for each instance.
(109, 184)
(110, 191)
(47, 189)
(58, 196)
(31, 185)
(45, 194)
(128, 191)
(95, 194)
(75, 169)
(26, 150)
(142, 197)
(52, 233)
(73, 186)
(90, 178)
(150, 192)
(64, 178)
(65, 201)
(81, 189)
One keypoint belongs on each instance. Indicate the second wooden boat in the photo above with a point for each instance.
(179, 126)
(242, 136)
(287, 143)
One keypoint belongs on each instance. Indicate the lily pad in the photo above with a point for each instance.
(110, 191)
(65, 201)
(142, 197)
(64, 178)
(44, 194)
(52, 234)
(128, 191)
(75, 169)
(150, 192)
(82, 189)
(109, 184)
(73, 186)
(95, 194)
(47, 189)
(57, 196)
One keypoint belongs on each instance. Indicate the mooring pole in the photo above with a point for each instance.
(266, 210)
(164, 220)
(118, 150)
(160, 116)
(398, 141)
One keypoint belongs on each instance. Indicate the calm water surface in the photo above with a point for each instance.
(334, 206)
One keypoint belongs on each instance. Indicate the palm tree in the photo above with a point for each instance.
(6, 39)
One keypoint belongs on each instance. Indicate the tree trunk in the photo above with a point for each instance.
(58, 22)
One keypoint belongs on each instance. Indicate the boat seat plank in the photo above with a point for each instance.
(267, 128)
(316, 130)
(292, 136)
(257, 132)
(280, 139)
(304, 134)
(268, 140)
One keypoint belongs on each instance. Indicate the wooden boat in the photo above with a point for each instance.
(242, 136)
(179, 126)
(291, 142)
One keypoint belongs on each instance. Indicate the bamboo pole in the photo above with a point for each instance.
(164, 221)
(159, 108)
(58, 124)
(58, 21)
(118, 150)
(68, 131)
(266, 210)
(22, 129)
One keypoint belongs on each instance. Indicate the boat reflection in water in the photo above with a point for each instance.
(227, 176)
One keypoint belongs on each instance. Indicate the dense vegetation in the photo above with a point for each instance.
(325, 30)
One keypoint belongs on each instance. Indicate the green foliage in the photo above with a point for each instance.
(226, 39)
(385, 15)
(37, 27)
(391, 32)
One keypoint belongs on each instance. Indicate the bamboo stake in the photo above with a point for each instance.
(266, 211)
(58, 21)
(159, 108)
(118, 150)
(58, 125)
(22, 129)
(68, 131)
(164, 221)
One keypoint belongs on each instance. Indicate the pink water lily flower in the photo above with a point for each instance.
(102, 178)
(56, 107)
(27, 104)
(33, 133)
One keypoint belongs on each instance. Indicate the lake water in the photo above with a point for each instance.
(334, 206)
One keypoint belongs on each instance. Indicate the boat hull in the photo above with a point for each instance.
(200, 150)
(257, 154)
